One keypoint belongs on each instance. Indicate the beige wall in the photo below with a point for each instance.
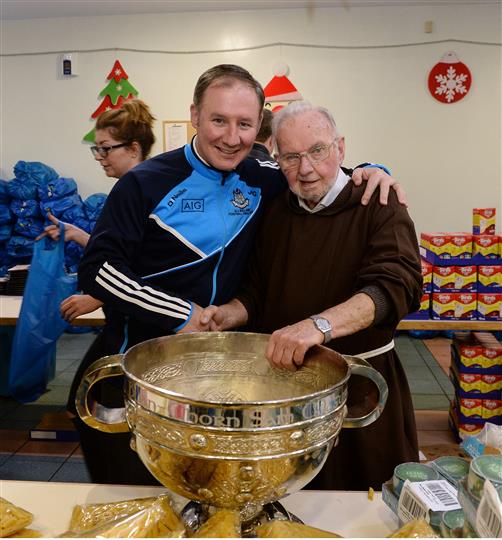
(447, 156)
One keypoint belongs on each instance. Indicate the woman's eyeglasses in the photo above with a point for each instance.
(103, 151)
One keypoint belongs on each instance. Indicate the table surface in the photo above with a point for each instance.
(430, 324)
(10, 306)
(350, 514)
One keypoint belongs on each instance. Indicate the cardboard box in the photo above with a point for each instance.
(470, 407)
(438, 243)
(454, 278)
(454, 305)
(489, 278)
(489, 306)
(424, 311)
(443, 278)
(426, 276)
(477, 352)
(492, 408)
(443, 305)
(483, 220)
(486, 245)
(462, 429)
(466, 278)
(465, 305)
(462, 245)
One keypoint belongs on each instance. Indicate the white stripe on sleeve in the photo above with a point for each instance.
(124, 287)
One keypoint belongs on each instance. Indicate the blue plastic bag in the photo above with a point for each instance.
(22, 189)
(20, 247)
(40, 324)
(34, 171)
(74, 213)
(29, 227)
(57, 207)
(5, 232)
(93, 205)
(5, 214)
(25, 208)
(4, 194)
(57, 189)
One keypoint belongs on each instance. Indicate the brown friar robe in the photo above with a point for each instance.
(304, 263)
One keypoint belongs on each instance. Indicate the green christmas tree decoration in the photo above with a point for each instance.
(118, 90)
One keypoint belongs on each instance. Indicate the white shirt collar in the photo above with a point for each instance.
(341, 181)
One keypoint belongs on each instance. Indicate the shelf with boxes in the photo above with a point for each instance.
(476, 374)
(462, 273)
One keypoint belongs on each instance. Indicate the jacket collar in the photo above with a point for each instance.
(202, 167)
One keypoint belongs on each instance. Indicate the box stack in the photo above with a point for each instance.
(476, 374)
(466, 271)
(424, 312)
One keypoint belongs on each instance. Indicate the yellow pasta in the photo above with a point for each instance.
(417, 528)
(151, 517)
(222, 524)
(12, 518)
(278, 528)
(27, 533)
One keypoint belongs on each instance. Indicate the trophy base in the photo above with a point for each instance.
(194, 514)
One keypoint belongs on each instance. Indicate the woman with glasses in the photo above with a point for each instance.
(124, 138)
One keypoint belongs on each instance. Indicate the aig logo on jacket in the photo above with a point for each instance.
(192, 205)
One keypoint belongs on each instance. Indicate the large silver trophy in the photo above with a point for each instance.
(214, 422)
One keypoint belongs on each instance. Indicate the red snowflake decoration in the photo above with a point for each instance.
(450, 79)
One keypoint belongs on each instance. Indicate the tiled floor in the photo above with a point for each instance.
(425, 362)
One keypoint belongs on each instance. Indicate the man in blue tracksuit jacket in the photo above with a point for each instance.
(174, 236)
(174, 233)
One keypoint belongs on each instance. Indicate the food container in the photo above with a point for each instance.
(453, 468)
(215, 422)
(452, 524)
(414, 472)
(485, 467)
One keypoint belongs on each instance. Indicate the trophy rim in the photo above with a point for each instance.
(316, 354)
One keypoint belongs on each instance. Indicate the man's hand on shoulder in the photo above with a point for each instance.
(287, 346)
(376, 177)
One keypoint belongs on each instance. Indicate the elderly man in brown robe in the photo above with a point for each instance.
(326, 270)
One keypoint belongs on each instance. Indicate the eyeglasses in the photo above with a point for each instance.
(103, 151)
(315, 155)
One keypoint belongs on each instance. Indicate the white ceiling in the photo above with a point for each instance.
(34, 9)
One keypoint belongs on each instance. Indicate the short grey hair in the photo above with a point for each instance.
(300, 107)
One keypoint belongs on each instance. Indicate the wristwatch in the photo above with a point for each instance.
(323, 325)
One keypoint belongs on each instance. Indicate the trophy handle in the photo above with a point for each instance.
(358, 366)
(95, 415)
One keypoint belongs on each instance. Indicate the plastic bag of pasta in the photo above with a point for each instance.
(417, 528)
(27, 533)
(12, 518)
(151, 517)
(279, 528)
(222, 524)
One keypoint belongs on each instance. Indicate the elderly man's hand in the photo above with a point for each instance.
(376, 177)
(78, 304)
(287, 347)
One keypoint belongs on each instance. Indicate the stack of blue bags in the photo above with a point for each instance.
(24, 203)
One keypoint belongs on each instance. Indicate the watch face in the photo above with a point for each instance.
(323, 325)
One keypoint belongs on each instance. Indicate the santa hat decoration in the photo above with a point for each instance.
(280, 88)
